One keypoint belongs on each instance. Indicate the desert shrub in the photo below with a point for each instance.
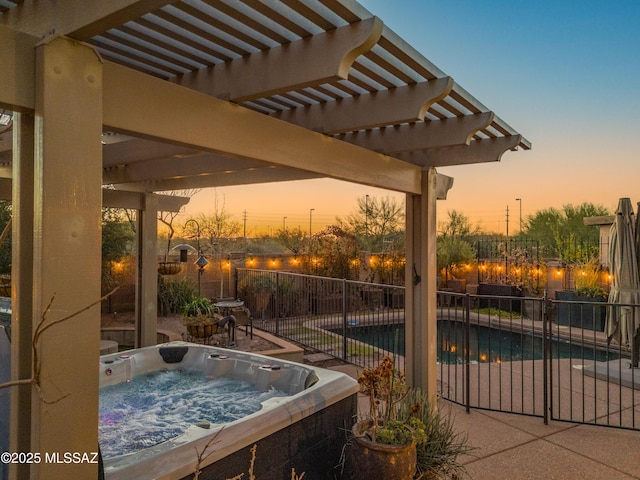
(439, 456)
(174, 294)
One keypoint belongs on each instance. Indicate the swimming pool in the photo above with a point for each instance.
(486, 345)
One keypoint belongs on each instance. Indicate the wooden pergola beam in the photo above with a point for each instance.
(203, 122)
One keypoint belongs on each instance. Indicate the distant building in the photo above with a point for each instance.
(604, 223)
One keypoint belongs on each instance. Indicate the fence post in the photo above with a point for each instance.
(235, 282)
(344, 319)
(278, 292)
(467, 343)
(545, 359)
(277, 300)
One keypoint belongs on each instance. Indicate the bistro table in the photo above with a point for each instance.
(227, 305)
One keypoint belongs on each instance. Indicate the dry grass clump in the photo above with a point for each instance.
(203, 455)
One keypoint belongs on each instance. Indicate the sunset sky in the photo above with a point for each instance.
(565, 74)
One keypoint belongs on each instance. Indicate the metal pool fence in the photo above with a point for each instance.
(524, 355)
(323, 314)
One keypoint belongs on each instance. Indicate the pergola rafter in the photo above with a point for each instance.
(420, 136)
(478, 151)
(388, 107)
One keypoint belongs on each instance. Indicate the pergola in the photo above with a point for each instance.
(146, 96)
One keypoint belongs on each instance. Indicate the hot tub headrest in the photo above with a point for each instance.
(311, 380)
(173, 354)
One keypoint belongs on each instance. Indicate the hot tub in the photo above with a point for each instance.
(298, 423)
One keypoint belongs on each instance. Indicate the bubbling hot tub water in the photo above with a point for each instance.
(156, 407)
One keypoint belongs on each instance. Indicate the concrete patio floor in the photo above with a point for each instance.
(518, 447)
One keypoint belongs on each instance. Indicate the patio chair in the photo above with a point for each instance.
(230, 322)
(243, 318)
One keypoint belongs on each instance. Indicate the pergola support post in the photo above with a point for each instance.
(420, 282)
(63, 195)
(22, 282)
(147, 284)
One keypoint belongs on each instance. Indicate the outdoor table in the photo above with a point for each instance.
(227, 305)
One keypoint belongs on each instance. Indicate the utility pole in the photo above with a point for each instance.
(284, 223)
(520, 200)
(244, 217)
(507, 222)
(506, 253)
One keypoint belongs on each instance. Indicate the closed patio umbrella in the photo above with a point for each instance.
(623, 321)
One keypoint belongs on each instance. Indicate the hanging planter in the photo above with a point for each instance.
(169, 268)
(204, 330)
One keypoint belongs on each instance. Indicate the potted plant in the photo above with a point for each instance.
(588, 291)
(257, 290)
(198, 316)
(384, 443)
(587, 278)
(439, 457)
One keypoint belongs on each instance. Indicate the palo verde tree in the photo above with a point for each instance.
(218, 229)
(562, 233)
(453, 243)
(294, 240)
(375, 221)
(457, 225)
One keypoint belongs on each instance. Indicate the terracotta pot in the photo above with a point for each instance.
(376, 460)
(262, 300)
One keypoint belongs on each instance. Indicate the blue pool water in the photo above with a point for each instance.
(156, 407)
(486, 344)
